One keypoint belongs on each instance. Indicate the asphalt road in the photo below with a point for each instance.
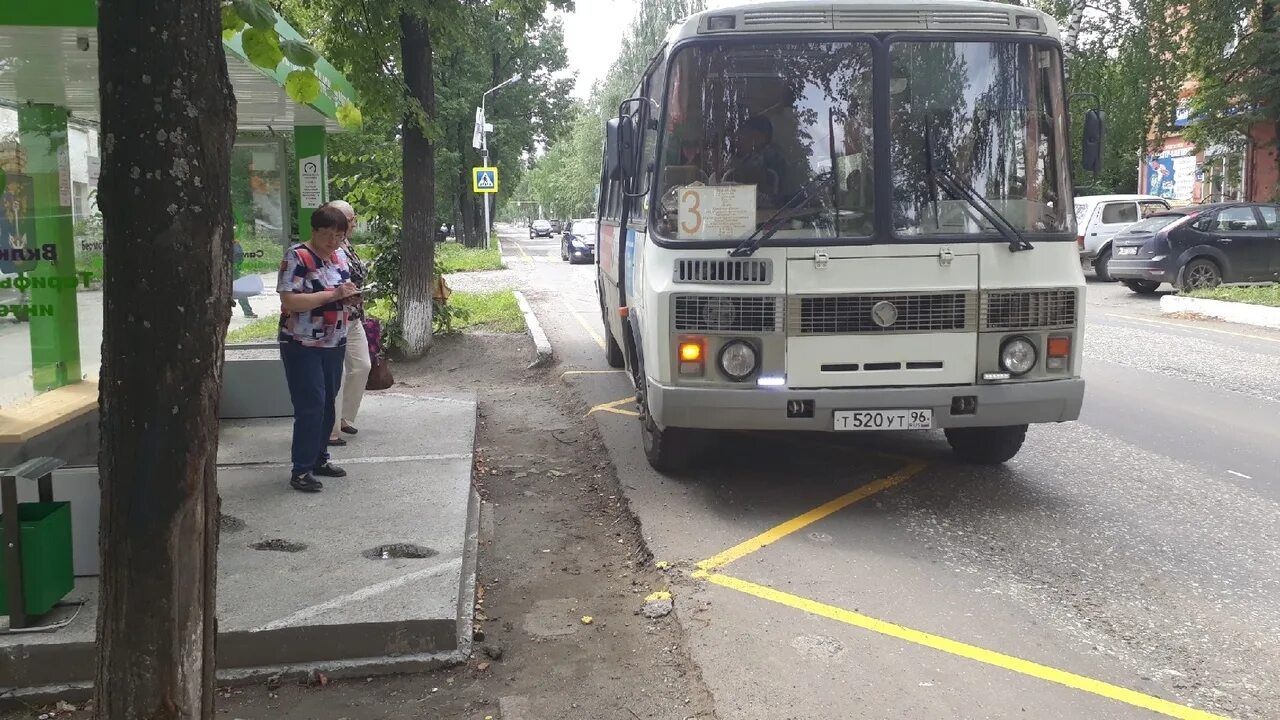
(1123, 566)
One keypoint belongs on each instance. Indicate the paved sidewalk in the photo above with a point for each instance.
(375, 574)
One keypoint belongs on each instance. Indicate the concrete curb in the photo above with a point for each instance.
(540, 342)
(1242, 313)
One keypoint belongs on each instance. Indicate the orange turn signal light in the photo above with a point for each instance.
(1059, 347)
(691, 352)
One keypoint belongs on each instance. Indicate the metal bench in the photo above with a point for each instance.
(41, 471)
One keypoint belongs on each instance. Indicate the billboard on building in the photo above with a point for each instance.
(1172, 174)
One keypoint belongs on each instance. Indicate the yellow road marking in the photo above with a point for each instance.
(613, 407)
(1185, 326)
(965, 650)
(581, 321)
(707, 570)
(520, 248)
(775, 534)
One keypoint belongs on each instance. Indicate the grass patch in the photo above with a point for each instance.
(493, 311)
(496, 311)
(455, 257)
(1256, 295)
(266, 328)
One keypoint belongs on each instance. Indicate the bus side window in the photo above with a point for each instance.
(651, 87)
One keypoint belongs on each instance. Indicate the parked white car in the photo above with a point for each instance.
(1099, 218)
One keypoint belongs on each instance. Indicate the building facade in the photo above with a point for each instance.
(1178, 172)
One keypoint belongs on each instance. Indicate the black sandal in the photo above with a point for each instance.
(336, 441)
(348, 429)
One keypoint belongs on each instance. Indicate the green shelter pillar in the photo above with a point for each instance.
(313, 174)
(55, 326)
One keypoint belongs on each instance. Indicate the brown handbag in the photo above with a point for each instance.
(380, 375)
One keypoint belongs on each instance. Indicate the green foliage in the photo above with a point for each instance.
(349, 116)
(232, 23)
(262, 47)
(1233, 49)
(303, 85)
(257, 13)
(1116, 60)
(562, 182)
(300, 53)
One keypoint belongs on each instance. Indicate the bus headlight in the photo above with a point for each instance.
(739, 360)
(1018, 355)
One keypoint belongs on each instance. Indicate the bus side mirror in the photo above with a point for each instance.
(620, 149)
(1091, 142)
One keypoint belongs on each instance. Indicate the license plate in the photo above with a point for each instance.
(883, 419)
(1127, 251)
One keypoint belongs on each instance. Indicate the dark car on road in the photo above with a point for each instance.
(1200, 246)
(578, 243)
(540, 228)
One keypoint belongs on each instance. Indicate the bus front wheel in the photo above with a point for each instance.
(668, 450)
(986, 445)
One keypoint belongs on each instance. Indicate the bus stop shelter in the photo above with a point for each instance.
(49, 76)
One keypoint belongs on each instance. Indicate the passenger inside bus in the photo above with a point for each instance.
(756, 160)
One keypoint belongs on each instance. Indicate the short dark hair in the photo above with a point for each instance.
(760, 124)
(328, 217)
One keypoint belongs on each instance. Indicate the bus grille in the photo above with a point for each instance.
(1028, 309)
(737, 271)
(727, 314)
(882, 313)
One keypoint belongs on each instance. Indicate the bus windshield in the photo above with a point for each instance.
(783, 133)
(769, 126)
(987, 114)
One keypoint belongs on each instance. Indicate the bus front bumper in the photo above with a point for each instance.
(772, 409)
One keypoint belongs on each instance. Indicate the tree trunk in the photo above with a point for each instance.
(417, 243)
(466, 230)
(168, 122)
(1072, 37)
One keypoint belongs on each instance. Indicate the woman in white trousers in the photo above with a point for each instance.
(357, 363)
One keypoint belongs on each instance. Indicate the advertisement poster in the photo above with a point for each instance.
(1172, 175)
(17, 229)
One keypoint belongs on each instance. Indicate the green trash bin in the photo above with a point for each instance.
(47, 571)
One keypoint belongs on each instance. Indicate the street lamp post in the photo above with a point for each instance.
(484, 145)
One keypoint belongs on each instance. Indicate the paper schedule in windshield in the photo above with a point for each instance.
(721, 212)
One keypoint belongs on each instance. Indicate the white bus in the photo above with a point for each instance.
(846, 216)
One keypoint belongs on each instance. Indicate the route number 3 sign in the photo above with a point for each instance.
(721, 212)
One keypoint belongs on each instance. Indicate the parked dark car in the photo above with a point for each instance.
(1201, 246)
(578, 243)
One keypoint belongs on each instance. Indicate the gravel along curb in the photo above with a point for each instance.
(540, 342)
(1243, 313)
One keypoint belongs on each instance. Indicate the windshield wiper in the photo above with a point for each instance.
(961, 190)
(768, 229)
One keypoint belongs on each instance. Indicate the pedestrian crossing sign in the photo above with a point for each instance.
(484, 179)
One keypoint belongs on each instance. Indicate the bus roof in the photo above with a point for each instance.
(940, 16)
